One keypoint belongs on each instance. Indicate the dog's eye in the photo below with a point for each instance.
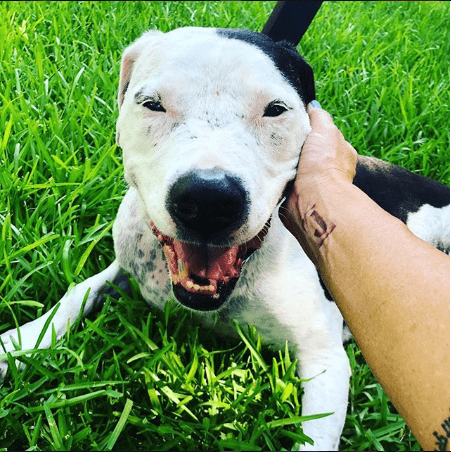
(274, 109)
(154, 105)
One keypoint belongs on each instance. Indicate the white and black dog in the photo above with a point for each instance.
(211, 125)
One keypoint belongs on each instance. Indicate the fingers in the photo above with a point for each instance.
(321, 122)
(319, 119)
(325, 151)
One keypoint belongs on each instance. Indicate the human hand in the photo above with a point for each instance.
(325, 153)
(327, 162)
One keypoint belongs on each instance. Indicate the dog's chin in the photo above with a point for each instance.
(204, 276)
(202, 302)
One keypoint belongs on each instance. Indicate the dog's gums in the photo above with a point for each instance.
(211, 124)
(205, 271)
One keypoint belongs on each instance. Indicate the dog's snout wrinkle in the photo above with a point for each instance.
(207, 202)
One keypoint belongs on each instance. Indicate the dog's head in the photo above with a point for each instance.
(211, 125)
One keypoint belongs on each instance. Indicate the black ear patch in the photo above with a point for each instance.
(284, 55)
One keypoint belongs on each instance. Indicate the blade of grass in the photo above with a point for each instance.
(120, 425)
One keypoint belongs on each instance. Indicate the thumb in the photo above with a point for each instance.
(319, 119)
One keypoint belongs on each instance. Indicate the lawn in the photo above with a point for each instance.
(130, 378)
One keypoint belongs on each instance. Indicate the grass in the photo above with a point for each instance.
(130, 378)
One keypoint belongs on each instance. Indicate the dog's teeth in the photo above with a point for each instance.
(189, 284)
(169, 250)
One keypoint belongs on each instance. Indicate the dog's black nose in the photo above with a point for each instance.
(207, 202)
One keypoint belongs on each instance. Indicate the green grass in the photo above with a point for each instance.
(130, 378)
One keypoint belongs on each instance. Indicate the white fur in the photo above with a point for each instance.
(431, 224)
(214, 91)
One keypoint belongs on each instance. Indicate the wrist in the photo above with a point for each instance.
(317, 182)
(311, 211)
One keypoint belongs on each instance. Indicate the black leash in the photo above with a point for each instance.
(290, 20)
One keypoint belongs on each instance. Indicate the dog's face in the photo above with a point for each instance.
(211, 125)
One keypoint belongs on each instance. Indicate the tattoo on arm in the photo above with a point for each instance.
(312, 221)
(442, 440)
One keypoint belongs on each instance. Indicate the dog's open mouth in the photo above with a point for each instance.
(204, 276)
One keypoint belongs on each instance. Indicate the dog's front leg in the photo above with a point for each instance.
(67, 311)
(326, 375)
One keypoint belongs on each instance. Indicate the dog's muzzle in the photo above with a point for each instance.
(207, 206)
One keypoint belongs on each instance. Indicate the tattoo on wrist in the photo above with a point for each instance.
(442, 440)
(315, 225)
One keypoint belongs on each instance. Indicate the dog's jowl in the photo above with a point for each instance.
(211, 123)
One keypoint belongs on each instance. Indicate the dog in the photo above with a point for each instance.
(211, 124)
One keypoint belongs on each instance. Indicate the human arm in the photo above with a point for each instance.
(391, 287)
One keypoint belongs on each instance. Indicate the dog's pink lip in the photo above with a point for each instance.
(204, 270)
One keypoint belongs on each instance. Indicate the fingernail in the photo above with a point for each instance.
(315, 104)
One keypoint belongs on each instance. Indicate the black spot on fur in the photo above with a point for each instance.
(284, 55)
(121, 281)
(397, 190)
(148, 267)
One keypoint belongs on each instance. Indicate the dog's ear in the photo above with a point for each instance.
(301, 72)
(129, 57)
(307, 81)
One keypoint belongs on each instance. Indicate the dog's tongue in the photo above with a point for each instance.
(207, 262)
(198, 268)
(203, 269)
